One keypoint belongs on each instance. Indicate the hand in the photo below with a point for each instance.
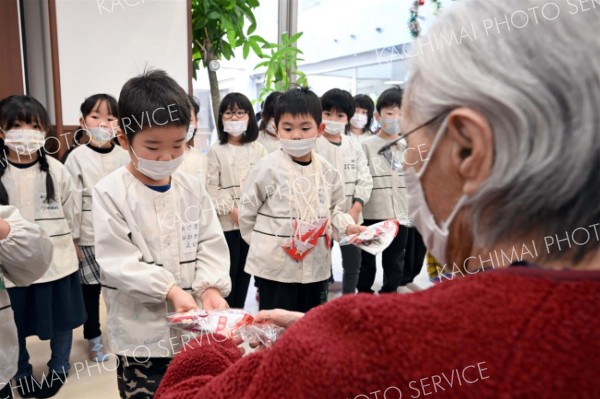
(234, 214)
(355, 229)
(280, 317)
(4, 229)
(182, 301)
(80, 256)
(355, 211)
(211, 299)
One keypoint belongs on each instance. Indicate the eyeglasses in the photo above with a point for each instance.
(239, 113)
(386, 151)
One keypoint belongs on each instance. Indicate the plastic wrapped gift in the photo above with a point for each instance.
(230, 323)
(375, 238)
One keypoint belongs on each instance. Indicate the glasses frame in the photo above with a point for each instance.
(386, 150)
(237, 113)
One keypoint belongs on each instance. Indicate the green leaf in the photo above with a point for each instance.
(246, 49)
(255, 47)
(295, 38)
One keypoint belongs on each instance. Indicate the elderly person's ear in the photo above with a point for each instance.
(472, 147)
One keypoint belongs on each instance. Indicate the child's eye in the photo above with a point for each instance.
(152, 149)
(177, 147)
(305, 129)
(287, 129)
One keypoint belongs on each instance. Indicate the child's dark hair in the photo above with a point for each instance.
(152, 99)
(268, 108)
(28, 110)
(195, 104)
(299, 101)
(339, 100)
(390, 98)
(229, 102)
(365, 102)
(93, 102)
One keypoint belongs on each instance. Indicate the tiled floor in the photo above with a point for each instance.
(90, 380)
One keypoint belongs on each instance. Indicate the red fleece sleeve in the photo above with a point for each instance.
(203, 370)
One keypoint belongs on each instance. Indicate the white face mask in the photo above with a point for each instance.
(271, 126)
(24, 141)
(333, 127)
(235, 128)
(359, 121)
(435, 237)
(190, 133)
(157, 170)
(297, 148)
(101, 135)
(390, 126)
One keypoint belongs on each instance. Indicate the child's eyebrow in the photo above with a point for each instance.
(180, 140)
(152, 141)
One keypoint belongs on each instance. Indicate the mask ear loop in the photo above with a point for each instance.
(436, 140)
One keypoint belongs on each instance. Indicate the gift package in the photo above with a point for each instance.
(231, 323)
(375, 238)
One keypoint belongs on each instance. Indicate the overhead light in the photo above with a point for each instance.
(394, 82)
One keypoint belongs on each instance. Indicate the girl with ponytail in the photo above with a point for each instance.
(41, 188)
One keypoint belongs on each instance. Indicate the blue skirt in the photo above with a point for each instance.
(48, 308)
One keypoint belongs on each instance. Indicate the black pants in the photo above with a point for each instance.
(291, 296)
(240, 280)
(91, 299)
(351, 258)
(392, 262)
(137, 380)
(415, 255)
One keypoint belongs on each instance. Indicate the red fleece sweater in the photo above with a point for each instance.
(513, 333)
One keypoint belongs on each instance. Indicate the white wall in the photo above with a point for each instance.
(103, 43)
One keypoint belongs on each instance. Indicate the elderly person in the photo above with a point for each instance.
(510, 119)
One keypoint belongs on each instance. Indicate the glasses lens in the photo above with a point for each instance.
(393, 161)
(241, 114)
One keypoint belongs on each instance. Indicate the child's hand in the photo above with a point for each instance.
(355, 229)
(211, 299)
(355, 211)
(182, 301)
(4, 229)
(80, 256)
(234, 216)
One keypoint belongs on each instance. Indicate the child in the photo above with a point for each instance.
(158, 240)
(290, 207)
(347, 157)
(228, 165)
(25, 255)
(388, 199)
(266, 135)
(194, 161)
(360, 123)
(87, 165)
(41, 188)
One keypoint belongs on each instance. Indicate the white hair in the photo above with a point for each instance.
(533, 69)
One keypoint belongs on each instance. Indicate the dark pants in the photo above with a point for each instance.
(351, 258)
(392, 261)
(240, 280)
(291, 296)
(91, 299)
(60, 346)
(415, 255)
(137, 380)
